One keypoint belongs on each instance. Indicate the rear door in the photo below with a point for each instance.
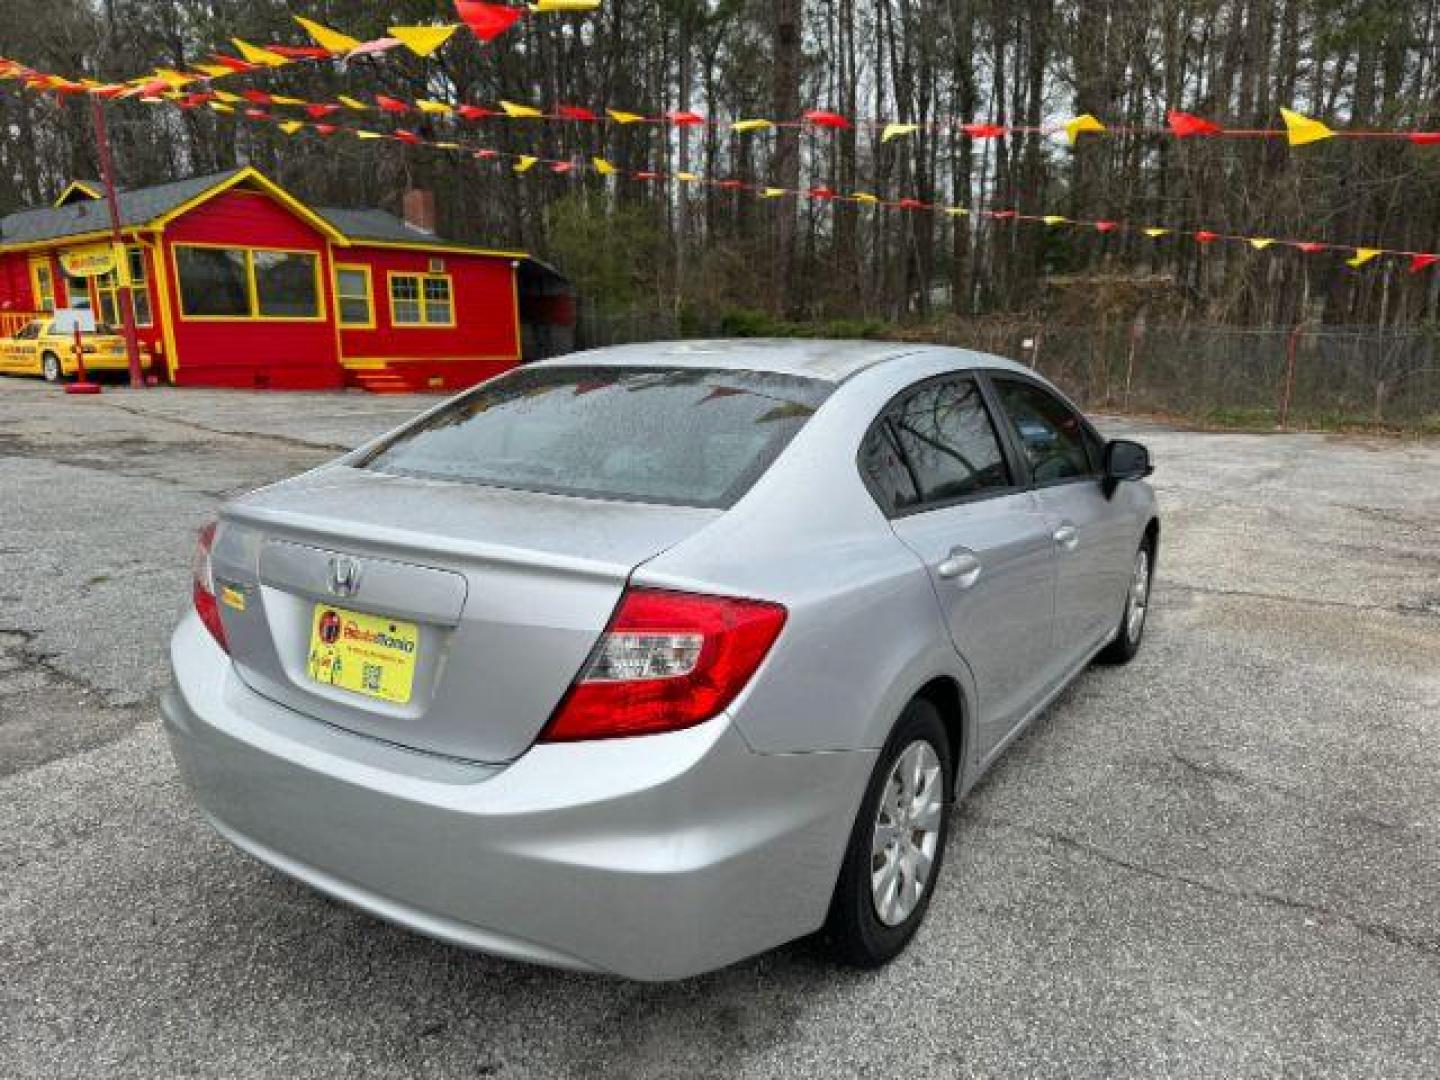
(935, 462)
(1090, 539)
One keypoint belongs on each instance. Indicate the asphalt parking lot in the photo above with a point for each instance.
(1222, 860)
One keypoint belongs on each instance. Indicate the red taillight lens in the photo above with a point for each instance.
(668, 660)
(203, 586)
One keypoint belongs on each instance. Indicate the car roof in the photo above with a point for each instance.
(816, 358)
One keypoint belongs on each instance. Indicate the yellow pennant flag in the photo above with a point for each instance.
(227, 97)
(1362, 256)
(1082, 123)
(895, 131)
(545, 7)
(447, 146)
(1155, 234)
(1054, 219)
(525, 162)
(331, 40)
(621, 117)
(423, 40)
(1260, 243)
(438, 108)
(866, 198)
(1300, 130)
(290, 127)
(686, 176)
(173, 79)
(368, 135)
(772, 193)
(221, 107)
(957, 211)
(280, 99)
(751, 125)
(257, 55)
(352, 103)
(520, 112)
(215, 71)
(603, 167)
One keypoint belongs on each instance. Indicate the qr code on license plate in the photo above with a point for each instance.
(370, 675)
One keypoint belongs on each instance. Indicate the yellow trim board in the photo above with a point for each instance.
(80, 186)
(171, 312)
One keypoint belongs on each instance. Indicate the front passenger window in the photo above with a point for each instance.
(1051, 433)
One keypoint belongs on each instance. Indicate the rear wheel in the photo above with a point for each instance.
(897, 844)
(51, 368)
(1137, 605)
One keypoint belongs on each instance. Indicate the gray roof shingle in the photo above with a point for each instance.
(137, 208)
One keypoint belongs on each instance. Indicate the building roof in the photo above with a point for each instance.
(137, 208)
(382, 227)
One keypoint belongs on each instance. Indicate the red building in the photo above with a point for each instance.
(237, 283)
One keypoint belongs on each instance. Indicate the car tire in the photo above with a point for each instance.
(1131, 631)
(873, 916)
(51, 368)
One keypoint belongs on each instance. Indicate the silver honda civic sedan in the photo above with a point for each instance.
(651, 658)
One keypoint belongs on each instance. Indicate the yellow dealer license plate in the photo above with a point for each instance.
(365, 654)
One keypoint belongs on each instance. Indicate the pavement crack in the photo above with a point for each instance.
(1427, 946)
(1281, 598)
(244, 436)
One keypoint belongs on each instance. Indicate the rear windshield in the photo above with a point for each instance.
(686, 436)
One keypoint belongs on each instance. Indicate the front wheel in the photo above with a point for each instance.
(897, 844)
(1137, 605)
(51, 368)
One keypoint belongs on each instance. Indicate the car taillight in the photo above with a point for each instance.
(203, 586)
(668, 660)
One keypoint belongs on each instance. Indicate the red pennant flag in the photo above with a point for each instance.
(1205, 236)
(486, 154)
(300, 52)
(475, 112)
(408, 137)
(155, 88)
(391, 105)
(259, 97)
(319, 112)
(1003, 215)
(647, 176)
(1106, 226)
(821, 193)
(575, 112)
(1309, 247)
(910, 204)
(1186, 125)
(234, 63)
(256, 114)
(684, 119)
(822, 118)
(983, 131)
(1425, 138)
(189, 101)
(731, 185)
(562, 166)
(326, 129)
(1421, 261)
(487, 21)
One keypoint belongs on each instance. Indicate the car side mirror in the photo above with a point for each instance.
(1124, 460)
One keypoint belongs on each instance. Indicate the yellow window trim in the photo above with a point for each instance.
(369, 296)
(252, 295)
(38, 263)
(421, 278)
(108, 285)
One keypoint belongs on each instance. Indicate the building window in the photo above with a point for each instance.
(421, 300)
(228, 283)
(44, 282)
(353, 296)
(108, 290)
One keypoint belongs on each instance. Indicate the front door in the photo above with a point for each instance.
(935, 461)
(1091, 555)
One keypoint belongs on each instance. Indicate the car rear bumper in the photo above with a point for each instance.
(652, 858)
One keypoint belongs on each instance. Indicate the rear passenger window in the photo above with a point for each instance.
(1051, 433)
(935, 445)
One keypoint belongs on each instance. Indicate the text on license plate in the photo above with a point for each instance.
(365, 654)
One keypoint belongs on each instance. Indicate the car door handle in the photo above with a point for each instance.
(961, 566)
(1067, 536)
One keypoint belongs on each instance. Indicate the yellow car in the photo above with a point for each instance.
(38, 349)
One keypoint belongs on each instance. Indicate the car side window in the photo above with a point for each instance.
(936, 444)
(29, 332)
(1051, 433)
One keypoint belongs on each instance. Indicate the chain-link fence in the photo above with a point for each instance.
(1331, 376)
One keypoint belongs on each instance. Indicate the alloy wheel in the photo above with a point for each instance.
(906, 833)
(1139, 598)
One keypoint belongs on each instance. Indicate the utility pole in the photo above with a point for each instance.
(122, 256)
